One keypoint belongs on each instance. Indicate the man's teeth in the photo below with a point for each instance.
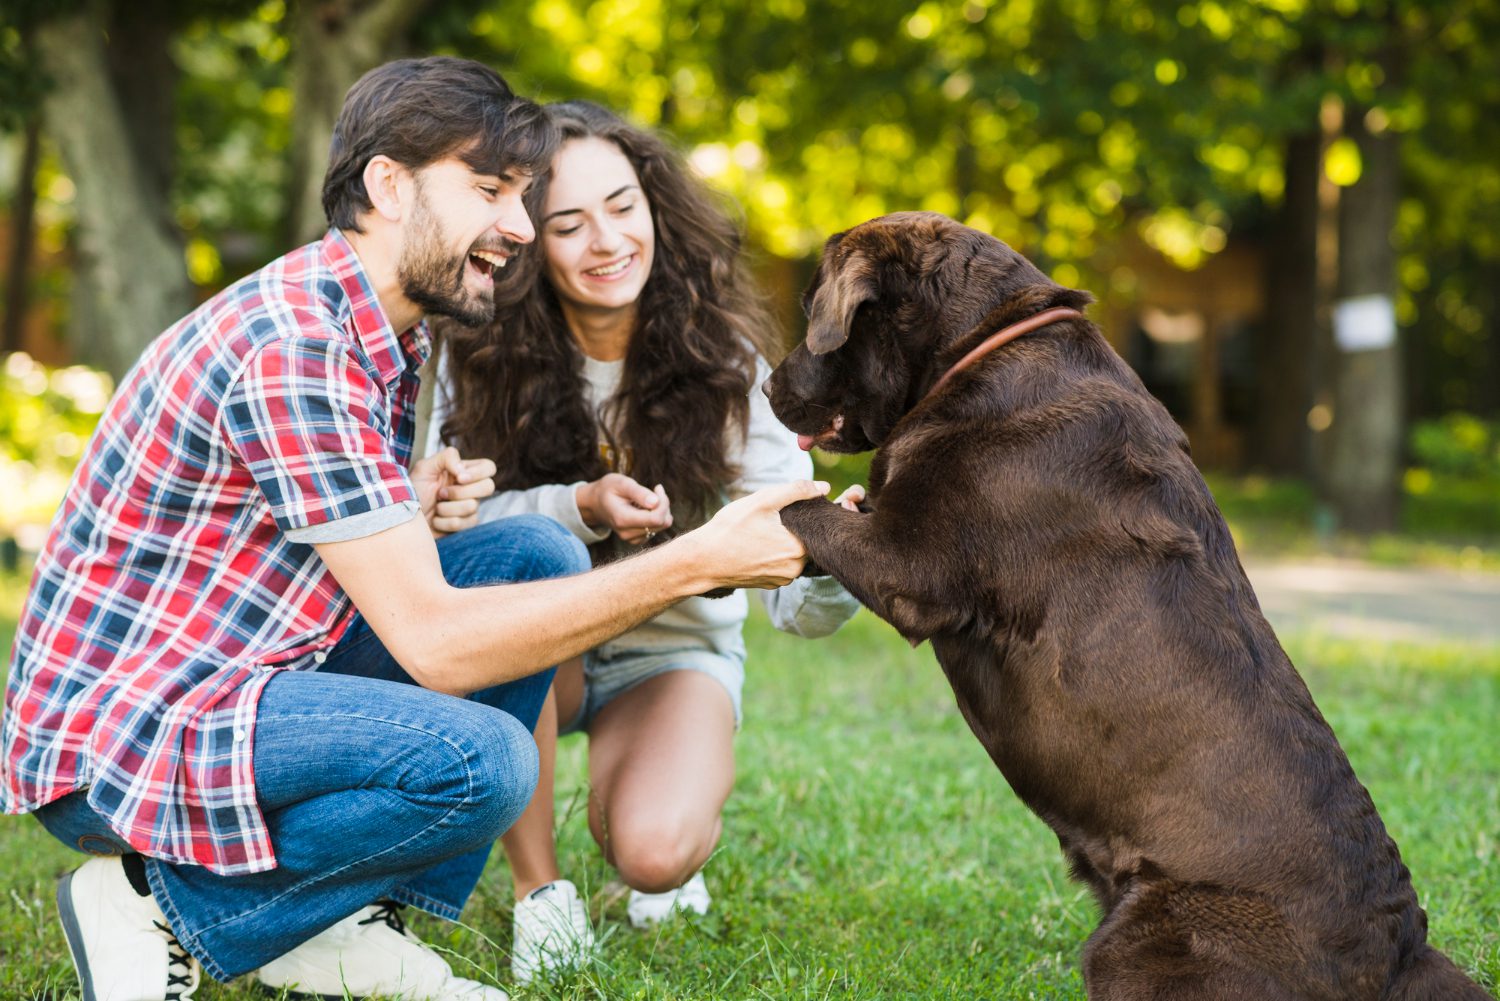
(610, 269)
(494, 260)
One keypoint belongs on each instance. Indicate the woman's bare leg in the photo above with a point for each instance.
(530, 845)
(661, 764)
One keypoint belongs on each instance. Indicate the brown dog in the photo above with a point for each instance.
(1039, 520)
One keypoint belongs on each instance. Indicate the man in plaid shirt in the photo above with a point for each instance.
(246, 679)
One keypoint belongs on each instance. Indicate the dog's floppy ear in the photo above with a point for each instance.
(835, 303)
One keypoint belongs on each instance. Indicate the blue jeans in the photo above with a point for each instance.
(371, 786)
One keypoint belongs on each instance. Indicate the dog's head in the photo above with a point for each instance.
(894, 302)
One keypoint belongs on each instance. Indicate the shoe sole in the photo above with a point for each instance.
(266, 990)
(74, 934)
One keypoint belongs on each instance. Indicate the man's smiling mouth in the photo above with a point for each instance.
(487, 262)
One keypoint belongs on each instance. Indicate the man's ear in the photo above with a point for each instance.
(835, 303)
(388, 185)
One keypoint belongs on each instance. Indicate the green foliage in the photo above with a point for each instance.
(233, 137)
(1458, 444)
(46, 416)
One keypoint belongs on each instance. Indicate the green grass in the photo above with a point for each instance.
(872, 851)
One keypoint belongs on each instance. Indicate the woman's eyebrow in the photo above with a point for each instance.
(609, 198)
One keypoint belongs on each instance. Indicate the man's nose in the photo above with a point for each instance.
(515, 224)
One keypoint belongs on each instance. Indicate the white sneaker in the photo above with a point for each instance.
(646, 909)
(551, 931)
(371, 952)
(122, 947)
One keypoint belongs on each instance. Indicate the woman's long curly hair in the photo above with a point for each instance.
(517, 383)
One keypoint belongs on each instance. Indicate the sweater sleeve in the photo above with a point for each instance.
(808, 606)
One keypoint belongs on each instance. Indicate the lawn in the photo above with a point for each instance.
(872, 851)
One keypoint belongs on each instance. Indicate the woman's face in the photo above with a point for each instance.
(597, 233)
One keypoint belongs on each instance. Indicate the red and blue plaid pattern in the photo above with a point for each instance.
(178, 575)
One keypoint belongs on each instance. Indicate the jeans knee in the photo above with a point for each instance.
(523, 547)
(555, 551)
(503, 769)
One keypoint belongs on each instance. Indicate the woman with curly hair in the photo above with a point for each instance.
(618, 391)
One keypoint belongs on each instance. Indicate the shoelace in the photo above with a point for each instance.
(386, 911)
(177, 956)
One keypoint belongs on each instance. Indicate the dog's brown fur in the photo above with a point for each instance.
(1040, 521)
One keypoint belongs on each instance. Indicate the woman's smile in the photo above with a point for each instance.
(614, 270)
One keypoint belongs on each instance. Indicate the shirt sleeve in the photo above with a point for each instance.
(768, 454)
(808, 606)
(313, 428)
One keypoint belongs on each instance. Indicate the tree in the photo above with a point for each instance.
(334, 42)
(107, 120)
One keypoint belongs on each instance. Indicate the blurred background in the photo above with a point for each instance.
(1288, 209)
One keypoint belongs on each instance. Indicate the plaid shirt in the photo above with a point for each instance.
(179, 575)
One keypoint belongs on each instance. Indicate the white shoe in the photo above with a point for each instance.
(552, 931)
(371, 952)
(122, 947)
(646, 909)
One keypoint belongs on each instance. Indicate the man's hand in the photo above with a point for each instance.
(745, 544)
(622, 505)
(449, 488)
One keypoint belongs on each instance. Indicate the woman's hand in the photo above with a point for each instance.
(622, 505)
(851, 499)
(449, 489)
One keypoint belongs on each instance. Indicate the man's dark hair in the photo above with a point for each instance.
(417, 111)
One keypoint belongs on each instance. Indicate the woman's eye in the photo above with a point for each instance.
(566, 232)
(624, 209)
(488, 191)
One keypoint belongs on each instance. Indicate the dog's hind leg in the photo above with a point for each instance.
(1433, 977)
(1151, 948)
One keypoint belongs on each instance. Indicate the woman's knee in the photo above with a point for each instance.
(657, 854)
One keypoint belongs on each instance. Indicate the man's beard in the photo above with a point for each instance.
(433, 278)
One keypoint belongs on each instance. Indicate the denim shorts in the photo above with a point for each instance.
(607, 676)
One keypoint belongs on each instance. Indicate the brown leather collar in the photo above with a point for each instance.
(1005, 336)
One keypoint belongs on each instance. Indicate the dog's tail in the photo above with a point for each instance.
(1433, 977)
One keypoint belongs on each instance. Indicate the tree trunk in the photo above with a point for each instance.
(22, 233)
(1287, 348)
(1365, 439)
(334, 42)
(1487, 386)
(131, 281)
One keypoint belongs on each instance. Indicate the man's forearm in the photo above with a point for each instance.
(460, 640)
(485, 636)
